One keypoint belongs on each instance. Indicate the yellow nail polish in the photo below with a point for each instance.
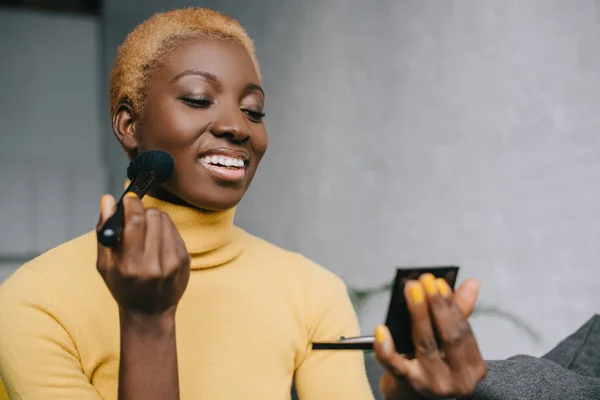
(102, 205)
(415, 292)
(130, 194)
(443, 287)
(380, 334)
(428, 282)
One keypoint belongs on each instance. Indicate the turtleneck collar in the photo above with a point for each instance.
(210, 237)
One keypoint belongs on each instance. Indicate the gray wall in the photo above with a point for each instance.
(51, 166)
(430, 132)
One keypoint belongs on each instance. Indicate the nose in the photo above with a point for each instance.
(232, 125)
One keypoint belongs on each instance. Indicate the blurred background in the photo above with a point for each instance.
(402, 133)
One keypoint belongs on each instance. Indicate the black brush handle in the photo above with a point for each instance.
(110, 232)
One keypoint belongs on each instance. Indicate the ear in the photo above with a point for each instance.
(124, 126)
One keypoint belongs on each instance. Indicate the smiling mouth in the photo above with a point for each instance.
(224, 168)
(223, 161)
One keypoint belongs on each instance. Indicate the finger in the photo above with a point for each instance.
(462, 352)
(173, 247)
(465, 299)
(176, 239)
(107, 207)
(471, 348)
(453, 329)
(466, 296)
(460, 345)
(134, 230)
(105, 254)
(153, 243)
(418, 297)
(388, 357)
(392, 387)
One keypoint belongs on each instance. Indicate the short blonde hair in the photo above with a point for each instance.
(160, 34)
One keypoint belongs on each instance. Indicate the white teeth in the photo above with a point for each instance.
(224, 161)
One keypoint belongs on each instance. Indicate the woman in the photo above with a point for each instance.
(187, 82)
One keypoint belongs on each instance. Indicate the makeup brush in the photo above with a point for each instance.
(146, 171)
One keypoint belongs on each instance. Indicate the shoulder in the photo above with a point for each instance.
(327, 307)
(292, 263)
(76, 251)
(67, 268)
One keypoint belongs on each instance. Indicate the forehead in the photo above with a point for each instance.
(228, 61)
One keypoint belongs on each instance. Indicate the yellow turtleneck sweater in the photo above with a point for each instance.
(244, 324)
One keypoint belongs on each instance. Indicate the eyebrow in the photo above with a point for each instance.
(212, 78)
(252, 87)
(193, 72)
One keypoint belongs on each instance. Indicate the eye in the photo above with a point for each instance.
(197, 102)
(255, 116)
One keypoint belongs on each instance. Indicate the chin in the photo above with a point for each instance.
(218, 200)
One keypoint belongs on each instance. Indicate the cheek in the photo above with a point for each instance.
(171, 128)
(260, 142)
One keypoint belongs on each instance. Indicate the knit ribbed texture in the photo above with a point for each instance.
(244, 324)
(211, 238)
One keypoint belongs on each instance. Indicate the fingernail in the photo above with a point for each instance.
(103, 202)
(381, 336)
(428, 282)
(443, 287)
(130, 194)
(415, 292)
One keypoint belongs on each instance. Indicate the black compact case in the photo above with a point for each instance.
(398, 318)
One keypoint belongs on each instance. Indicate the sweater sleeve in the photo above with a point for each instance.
(322, 374)
(570, 371)
(530, 378)
(38, 358)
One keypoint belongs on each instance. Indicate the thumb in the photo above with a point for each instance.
(465, 296)
(107, 207)
(405, 372)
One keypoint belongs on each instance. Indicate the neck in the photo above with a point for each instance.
(210, 237)
(164, 195)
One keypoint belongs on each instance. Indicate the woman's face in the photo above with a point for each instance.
(205, 107)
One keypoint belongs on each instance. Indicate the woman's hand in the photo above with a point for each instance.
(147, 274)
(453, 369)
(149, 269)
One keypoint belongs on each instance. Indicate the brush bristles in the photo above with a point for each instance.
(158, 162)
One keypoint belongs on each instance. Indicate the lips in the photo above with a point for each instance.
(225, 164)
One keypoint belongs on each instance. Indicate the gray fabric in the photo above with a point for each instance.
(570, 371)
(580, 352)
